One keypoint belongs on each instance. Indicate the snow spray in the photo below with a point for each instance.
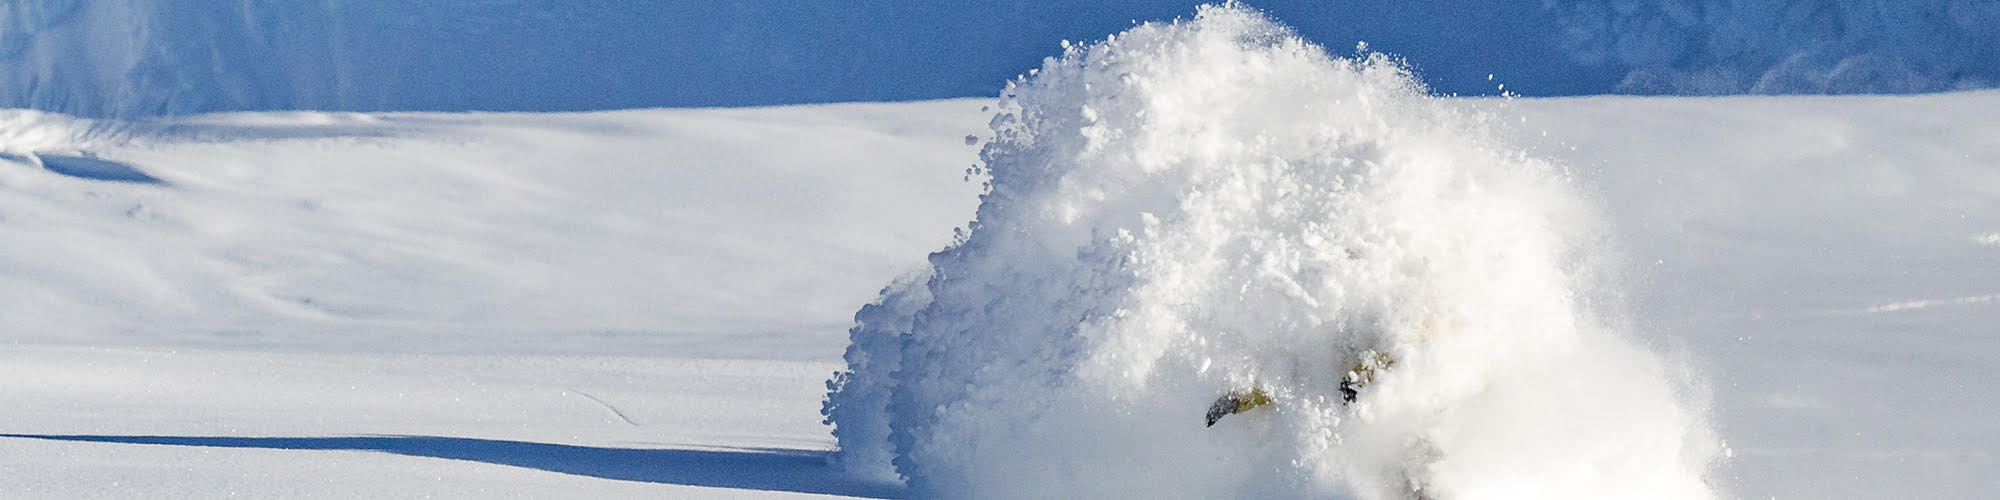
(1210, 205)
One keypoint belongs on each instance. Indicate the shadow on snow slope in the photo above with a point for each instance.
(802, 471)
(84, 166)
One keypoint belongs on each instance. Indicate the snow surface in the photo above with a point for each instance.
(1819, 259)
(137, 58)
(611, 232)
(151, 423)
(471, 306)
(648, 303)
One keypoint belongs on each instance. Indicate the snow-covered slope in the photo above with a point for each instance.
(1829, 263)
(135, 58)
(152, 423)
(619, 304)
(614, 232)
(648, 302)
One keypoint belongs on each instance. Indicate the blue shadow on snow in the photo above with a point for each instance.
(800, 471)
(93, 168)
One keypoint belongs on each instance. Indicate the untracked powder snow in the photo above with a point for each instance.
(1214, 205)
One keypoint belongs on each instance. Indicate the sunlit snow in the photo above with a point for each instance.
(1601, 297)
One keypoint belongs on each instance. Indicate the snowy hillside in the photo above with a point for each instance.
(587, 233)
(616, 304)
(1741, 297)
(137, 58)
(1831, 266)
(1825, 265)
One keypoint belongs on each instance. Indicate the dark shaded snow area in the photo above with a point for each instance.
(130, 58)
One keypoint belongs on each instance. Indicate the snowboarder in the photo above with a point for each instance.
(1239, 401)
(1370, 364)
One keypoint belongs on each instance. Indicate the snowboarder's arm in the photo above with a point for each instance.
(1237, 402)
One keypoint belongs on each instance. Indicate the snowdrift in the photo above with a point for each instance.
(1187, 209)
